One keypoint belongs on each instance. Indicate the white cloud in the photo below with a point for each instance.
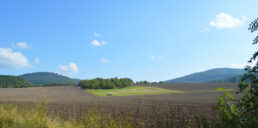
(97, 35)
(152, 57)
(103, 42)
(223, 20)
(98, 43)
(105, 60)
(36, 60)
(10, 59)
(70, 68)
(205, 30)
(21, 45)
(156, 57)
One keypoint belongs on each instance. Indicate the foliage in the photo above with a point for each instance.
(41, 78)
(100, 83)
(55, 84)
(143, 82)
(13, 82)
(243, 114)
(19, 82)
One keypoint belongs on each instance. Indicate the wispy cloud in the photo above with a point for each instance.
(205, 30)
(36, 60)
(152, 57)
(156, 57)
(223, 20)
(21, 45)
(10, 59)
(70, 68)
(98, 43)
(105, 60)
(97, 35)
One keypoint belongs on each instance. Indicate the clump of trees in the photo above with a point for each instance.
(100, 83)
(143, 82)
(13, 82)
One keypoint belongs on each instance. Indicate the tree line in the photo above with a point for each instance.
(13, 82)
(100, 83)
(55, 84)
(7, 81)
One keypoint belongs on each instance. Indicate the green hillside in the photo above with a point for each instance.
(40, 78)
(217, 74)
(13, 82)
(228, 80)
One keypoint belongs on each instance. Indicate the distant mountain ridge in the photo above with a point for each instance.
(39, 78)
(212, 75)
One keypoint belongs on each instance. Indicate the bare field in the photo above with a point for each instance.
(72, 94)
(63, 99)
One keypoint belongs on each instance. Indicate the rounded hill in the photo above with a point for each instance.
(39, 78)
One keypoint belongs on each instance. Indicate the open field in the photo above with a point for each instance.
(64, 97)
(67, 101)
(144, 90)
(132, 91)
(72, 94)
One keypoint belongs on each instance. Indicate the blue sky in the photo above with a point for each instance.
(141, 39)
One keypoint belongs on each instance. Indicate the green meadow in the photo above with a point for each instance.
(132, 91)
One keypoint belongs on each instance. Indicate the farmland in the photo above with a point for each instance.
(67, 101)
(74, 94)
(132, 91)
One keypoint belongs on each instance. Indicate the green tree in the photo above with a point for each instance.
(244, 114)
(13, 82)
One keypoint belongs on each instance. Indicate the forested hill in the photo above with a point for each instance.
(13, 81)
(212, 75)
(228, 80)
(40, 78)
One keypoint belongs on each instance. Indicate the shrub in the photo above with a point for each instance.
(243, 114)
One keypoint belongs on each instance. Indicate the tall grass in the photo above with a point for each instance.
(35, 116)
(38, 116)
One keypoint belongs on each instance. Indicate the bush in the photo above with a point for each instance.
(244, 113)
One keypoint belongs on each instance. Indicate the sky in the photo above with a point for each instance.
(140, 39)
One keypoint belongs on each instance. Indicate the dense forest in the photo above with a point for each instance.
(100, 83)
(13, 82)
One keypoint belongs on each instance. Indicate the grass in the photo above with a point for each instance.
(15, 116)
(38, 116)
(132, 91)
(140, 90)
